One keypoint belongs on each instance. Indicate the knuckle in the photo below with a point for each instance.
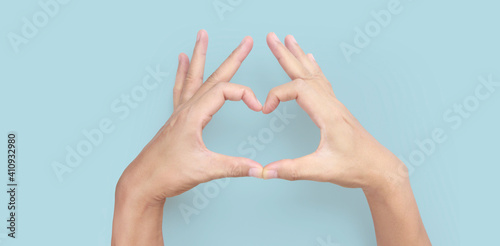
(209, 84)
(244, 90)
(170, 124)
(220, 86)
(186, 114)
(242, 87)
(318, 75)
(301, 84)
(190, 77)
(215, 76)
(293, 171)
(234, 170)
(294, 174)
(274, 92)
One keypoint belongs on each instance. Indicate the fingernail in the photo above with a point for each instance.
(270, 174)
(313, 57)
(242, 42)
(198, 36)
(275, 38)
(293, 39)
(179, 58)
(260, 104)
(255, 172)
(264, 108)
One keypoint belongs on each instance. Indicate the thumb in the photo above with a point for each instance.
(229, 166)
(302, 168)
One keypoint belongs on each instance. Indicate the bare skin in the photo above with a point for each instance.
(176, 160)
(347, 154)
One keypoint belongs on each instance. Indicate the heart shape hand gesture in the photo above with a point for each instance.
(176, 159)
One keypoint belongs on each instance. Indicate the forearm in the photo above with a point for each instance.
(395, 214)
(136, 222)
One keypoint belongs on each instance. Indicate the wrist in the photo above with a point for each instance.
(135, 191)
(138, 185)
(394, 209)
(136, 219)
(392, 178)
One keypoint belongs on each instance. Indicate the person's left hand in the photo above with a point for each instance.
(347, 154)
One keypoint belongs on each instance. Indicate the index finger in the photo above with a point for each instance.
(229, 67)
(210, 102)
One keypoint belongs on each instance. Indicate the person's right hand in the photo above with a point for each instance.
(347, 154)
(176, 159)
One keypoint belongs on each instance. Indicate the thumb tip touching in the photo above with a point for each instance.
(255, 172)
(269, 174)
(262, 173)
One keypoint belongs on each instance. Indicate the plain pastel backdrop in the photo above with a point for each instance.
(69, 75)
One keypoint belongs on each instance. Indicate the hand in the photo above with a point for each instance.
(347, 154)
(176, 159)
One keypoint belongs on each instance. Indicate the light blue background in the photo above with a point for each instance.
(429, 58)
